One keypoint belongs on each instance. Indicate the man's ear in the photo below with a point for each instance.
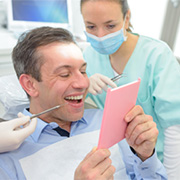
(28, 83)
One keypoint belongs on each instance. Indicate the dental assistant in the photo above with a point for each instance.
(114, 50)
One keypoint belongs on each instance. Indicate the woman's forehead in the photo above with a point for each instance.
(104, 10)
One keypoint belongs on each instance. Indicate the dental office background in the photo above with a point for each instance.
(159, 19)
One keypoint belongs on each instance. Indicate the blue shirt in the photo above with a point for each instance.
(44, 135)
(159, 93)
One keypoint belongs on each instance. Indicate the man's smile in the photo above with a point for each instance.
(74, 99)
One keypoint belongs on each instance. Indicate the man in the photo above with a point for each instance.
(51, 69)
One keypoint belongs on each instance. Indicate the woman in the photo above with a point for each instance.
(15, 131)
(115, 50)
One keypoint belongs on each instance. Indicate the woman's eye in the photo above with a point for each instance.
(110, 26)
(90, 27)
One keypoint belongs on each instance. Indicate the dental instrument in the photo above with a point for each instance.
(115, 78)
(46, 111)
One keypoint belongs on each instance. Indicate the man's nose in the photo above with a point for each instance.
(80, 81)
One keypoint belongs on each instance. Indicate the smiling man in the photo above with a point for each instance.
(63, 81)
(52, 71)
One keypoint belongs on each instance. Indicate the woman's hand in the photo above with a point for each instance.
(14, 132)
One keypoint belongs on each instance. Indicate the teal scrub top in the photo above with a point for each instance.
(159, 92)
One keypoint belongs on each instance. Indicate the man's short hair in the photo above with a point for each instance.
(26, 59)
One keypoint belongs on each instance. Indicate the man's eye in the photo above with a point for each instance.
(83, 72)
(64, 75)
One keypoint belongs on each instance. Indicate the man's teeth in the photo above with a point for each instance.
(74, 97)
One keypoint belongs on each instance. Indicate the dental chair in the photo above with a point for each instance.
(12, 97)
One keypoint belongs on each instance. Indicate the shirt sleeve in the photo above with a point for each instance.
(6, 171)
(152, 168)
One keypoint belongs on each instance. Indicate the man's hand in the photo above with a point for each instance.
(141, 133)
(96, 165)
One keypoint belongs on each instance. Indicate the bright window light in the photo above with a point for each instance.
(177, 43)
(147, 16)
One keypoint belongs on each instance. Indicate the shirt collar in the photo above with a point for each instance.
(39, 127)
(82, 120)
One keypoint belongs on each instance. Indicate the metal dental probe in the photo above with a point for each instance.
(48, 110)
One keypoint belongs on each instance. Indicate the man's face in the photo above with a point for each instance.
(64, 81)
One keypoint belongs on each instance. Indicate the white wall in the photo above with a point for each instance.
(148, 16)
(78, 24)
(177, 44)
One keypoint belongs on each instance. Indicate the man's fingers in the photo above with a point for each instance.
(104, 165)
(142, 133)
(90, 153)
(135, 111)
(135, 131)
(96, 165)
(109, 173)
(137, 121)
(149, 135)
(97, 157)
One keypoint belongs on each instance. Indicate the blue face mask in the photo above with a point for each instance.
(108, 44)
